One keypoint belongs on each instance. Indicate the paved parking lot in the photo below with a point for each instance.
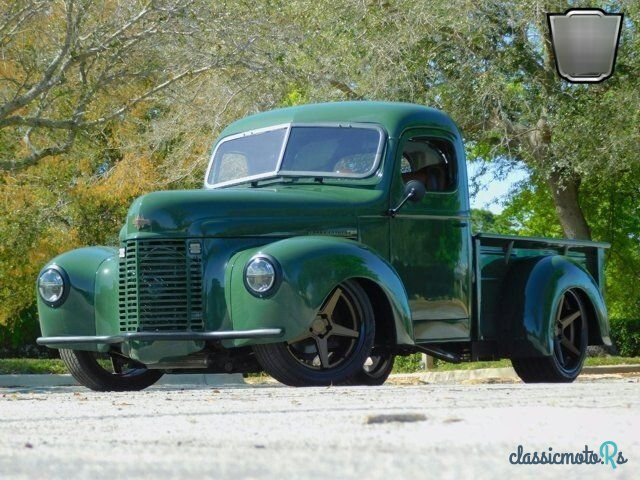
(271, 431)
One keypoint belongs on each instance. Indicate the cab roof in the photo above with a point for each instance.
(394, 117)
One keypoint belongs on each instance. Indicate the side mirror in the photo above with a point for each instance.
(413, 190)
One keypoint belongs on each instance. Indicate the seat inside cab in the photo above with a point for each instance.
(430, 162)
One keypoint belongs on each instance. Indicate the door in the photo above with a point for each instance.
(430, 241)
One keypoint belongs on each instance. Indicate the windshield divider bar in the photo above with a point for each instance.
(283, 149)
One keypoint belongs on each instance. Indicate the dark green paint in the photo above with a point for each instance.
(273, 211)
(508, 284)
(77, 315)
(393, 117)
(151, 353)
(106, 296)
(311, 268)
(535, 285)
(442, 285)
(431, 251)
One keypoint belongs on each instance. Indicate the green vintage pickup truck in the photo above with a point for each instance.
(327, 240)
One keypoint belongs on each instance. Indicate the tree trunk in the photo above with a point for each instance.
(565, 198)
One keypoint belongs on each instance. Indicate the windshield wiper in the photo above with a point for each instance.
(268, 181)
(283, 179)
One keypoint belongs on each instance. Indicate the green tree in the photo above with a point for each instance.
(97, 61)
(490, 65)
(612, 209)
(121, 98)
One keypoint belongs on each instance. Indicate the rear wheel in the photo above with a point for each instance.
(335, 347)
(375, 371)
(108, 372)
(570, 338)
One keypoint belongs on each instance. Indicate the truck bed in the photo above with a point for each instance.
(493, 256)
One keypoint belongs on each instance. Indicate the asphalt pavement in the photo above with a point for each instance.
(414, 430)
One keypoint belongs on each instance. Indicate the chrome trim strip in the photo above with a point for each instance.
(157, 336)
(278, 172)
(240, 135)
(427, 216)
(283, 150)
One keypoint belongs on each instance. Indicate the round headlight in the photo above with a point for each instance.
(260, 275)
(51, 286)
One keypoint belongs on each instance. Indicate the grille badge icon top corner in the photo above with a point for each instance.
(585, 43)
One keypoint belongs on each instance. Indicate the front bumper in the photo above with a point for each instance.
(160, 336)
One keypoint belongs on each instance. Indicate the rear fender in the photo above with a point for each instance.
(532, 291)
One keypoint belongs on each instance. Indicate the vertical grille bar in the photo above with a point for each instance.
(195, 293)
(128, 284)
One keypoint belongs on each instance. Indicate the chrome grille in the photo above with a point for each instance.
(160, 286)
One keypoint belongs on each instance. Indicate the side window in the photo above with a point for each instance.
(431, 161)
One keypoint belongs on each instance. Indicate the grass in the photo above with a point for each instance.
(411, 363)
(31, 365)
(408, 364)
(599, 361)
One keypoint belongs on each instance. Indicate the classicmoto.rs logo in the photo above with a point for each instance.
(607, 454)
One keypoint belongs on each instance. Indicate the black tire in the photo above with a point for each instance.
(336, 347)
(375, 371)
(570, 337)
(126, 375)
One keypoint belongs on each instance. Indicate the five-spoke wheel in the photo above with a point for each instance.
(333, 349)
(569, 344)
(570, 337)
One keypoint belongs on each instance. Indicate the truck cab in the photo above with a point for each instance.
(327, 240)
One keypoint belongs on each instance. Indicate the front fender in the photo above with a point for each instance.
(532, 289)
(77, 315)
(311, 268)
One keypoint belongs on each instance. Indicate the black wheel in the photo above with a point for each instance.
(334, 349)
(570, 338)
(375, 371)
(108, 372)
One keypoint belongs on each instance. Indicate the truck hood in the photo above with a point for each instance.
(264, 211)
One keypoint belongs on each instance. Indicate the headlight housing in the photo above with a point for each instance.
(53, 286)
(262, 275)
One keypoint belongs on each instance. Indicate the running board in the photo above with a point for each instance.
(438, 353)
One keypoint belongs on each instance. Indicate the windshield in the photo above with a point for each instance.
(296, 150)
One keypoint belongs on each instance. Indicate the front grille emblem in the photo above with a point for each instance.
(140, 222)
(195, 248)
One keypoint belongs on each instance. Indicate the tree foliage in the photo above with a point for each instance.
(612, 208)
(70, 67)
(101, 101)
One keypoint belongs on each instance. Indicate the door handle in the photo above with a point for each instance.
(460, 224)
